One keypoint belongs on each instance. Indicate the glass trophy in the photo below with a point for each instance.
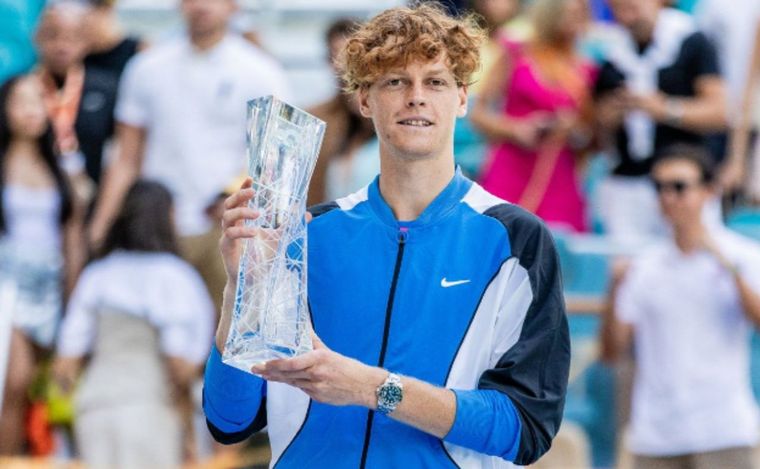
(270, 318)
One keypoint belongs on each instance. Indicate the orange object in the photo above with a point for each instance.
(39, 433)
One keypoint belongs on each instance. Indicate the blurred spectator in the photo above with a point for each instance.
(39, 248)
(143, 318)
(80, 100)
(495, 16)
(660, 85)
(749, 117)
(689, 305)
(18, 20)
(539, 135)
(342, 167)
(182, 115)
(732, 31)
(109, 47)
(505, 27)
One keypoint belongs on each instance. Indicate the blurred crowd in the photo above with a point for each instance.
(633, 120)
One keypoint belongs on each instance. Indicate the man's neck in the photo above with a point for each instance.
(206, 41)
(409, 187)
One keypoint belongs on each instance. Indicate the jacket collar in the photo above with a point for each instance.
(443, 204)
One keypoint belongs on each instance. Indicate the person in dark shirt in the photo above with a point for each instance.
(80, 99)
(660, 85)
(110, 47)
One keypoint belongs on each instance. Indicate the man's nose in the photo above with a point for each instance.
(416, 95)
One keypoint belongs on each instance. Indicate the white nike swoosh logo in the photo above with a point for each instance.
(446, 284)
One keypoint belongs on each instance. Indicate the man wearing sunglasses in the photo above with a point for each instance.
(688, 306)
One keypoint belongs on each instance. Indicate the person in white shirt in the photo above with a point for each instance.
(181, 119)
(748, 120)
(688, 307)
(733, 31)
(144, 319)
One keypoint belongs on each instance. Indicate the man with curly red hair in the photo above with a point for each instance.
(440, 337)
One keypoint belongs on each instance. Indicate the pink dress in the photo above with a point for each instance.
(509, 167)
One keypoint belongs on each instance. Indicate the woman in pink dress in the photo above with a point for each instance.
(538, 138)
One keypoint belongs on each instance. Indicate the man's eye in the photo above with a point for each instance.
(394, 82)
(437, 82)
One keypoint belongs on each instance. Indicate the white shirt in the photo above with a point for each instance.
(193, 106)
(159, 287)
(32, 217)
(692, 385)
(731, 26)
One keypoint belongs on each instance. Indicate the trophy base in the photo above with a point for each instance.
(256, 354)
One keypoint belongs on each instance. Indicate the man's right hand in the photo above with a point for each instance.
(236, 212)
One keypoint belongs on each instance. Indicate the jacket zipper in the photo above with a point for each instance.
(402, 235)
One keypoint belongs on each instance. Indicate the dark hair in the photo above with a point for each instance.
(46, 148)
(357, 124)
(144, 222)
(695, 154)
(342, 27)
(101, 3)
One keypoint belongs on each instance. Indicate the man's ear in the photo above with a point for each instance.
(362, 97)
(462, 92)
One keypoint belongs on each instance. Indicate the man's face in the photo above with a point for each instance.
(681, 192)
(414, 109)
(638, 16)
(207, 16)
(60, 41)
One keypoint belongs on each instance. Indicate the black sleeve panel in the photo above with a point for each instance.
(321, 209)
(534, 372)
(231, 438)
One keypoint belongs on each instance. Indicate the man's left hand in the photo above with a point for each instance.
(326, 376)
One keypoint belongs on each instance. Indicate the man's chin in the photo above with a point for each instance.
(416, 154)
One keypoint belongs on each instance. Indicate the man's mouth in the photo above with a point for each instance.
(416, 122)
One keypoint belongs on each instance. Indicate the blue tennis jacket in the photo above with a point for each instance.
(467, 297)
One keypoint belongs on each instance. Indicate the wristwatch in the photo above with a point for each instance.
(389, 394)
(673, 112)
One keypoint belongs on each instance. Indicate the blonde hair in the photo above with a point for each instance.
(546, 17)
(398, 36)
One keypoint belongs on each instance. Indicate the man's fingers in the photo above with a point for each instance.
(232, 216)
(238, 198)
(239, 232)
(318, 344)
(283, 365)
(287, 376)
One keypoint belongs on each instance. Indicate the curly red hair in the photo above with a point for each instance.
(398, 36)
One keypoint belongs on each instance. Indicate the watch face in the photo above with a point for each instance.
(390, 394)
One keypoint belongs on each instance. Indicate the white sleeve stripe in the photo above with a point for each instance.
(352, 200)
(481, 200)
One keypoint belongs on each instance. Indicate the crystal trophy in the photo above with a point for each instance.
(270, 318)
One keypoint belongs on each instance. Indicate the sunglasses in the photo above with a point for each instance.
(677, 187)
